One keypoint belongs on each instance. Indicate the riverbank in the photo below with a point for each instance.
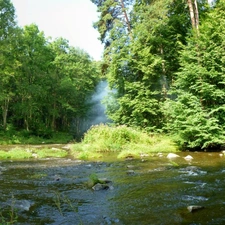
(123, 140)
(100, 139)
(16, 152)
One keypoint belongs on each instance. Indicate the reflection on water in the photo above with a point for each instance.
(151, 191)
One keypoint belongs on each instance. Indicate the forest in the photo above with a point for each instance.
(44, 84)
(163, 59)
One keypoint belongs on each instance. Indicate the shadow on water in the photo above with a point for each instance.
(151, 191)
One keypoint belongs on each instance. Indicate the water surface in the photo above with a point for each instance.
(155, 190)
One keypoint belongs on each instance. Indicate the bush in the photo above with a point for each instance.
(122, 139)
(114, 138)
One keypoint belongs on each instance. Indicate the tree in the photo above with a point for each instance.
(74, 77)
(112, 12)
(43, 85)
(141, 68)
(198, 113)
(8, 62)
(31, 81)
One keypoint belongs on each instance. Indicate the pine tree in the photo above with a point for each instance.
(198, 113)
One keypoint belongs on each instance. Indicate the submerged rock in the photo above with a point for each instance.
(108, 220)
(2, 168)
(193, 208)
(99, 187)
(192, 168)
(193, 171)
(172, 155)
(57, 178)
(23, 205)
(130, 172)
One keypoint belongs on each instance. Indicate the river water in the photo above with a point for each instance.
(154, 190)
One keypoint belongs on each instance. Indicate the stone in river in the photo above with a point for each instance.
(172, 155)
(99, 187)
(193, 208)
(188, 157)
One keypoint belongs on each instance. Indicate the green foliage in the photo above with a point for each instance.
(112, 13)
(122, 139)
(140, 62)
(43, 85)
(194, 127)
(113, 138)
(197, 115)
(174, 164)
(85, 153)
(93, 179)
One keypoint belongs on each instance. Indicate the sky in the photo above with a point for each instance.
(69, 19)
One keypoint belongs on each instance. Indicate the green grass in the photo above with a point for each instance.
(124, 140)
(10, 216)
(16, 153)
(24, 153)
(62, 202)
(100, 139)
(50, 152)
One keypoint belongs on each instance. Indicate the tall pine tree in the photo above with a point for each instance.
(197, 116)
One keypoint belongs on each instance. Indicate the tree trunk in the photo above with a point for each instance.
(192, 14)
(193, 8)
(126, 17)
(5, 108)
(26, 124)
(196, 14)
(163, 76)
(53, 125)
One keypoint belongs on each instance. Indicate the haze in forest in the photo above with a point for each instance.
(97, 114)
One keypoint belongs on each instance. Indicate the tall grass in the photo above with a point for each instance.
(106, 138)
(122, 139)
(10, 216)
(23, 153)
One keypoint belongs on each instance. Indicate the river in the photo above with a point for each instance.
(153, 190)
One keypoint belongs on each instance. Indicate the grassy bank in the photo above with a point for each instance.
(22, 145)
(30, 152)
(123, 140)
(9, 137)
